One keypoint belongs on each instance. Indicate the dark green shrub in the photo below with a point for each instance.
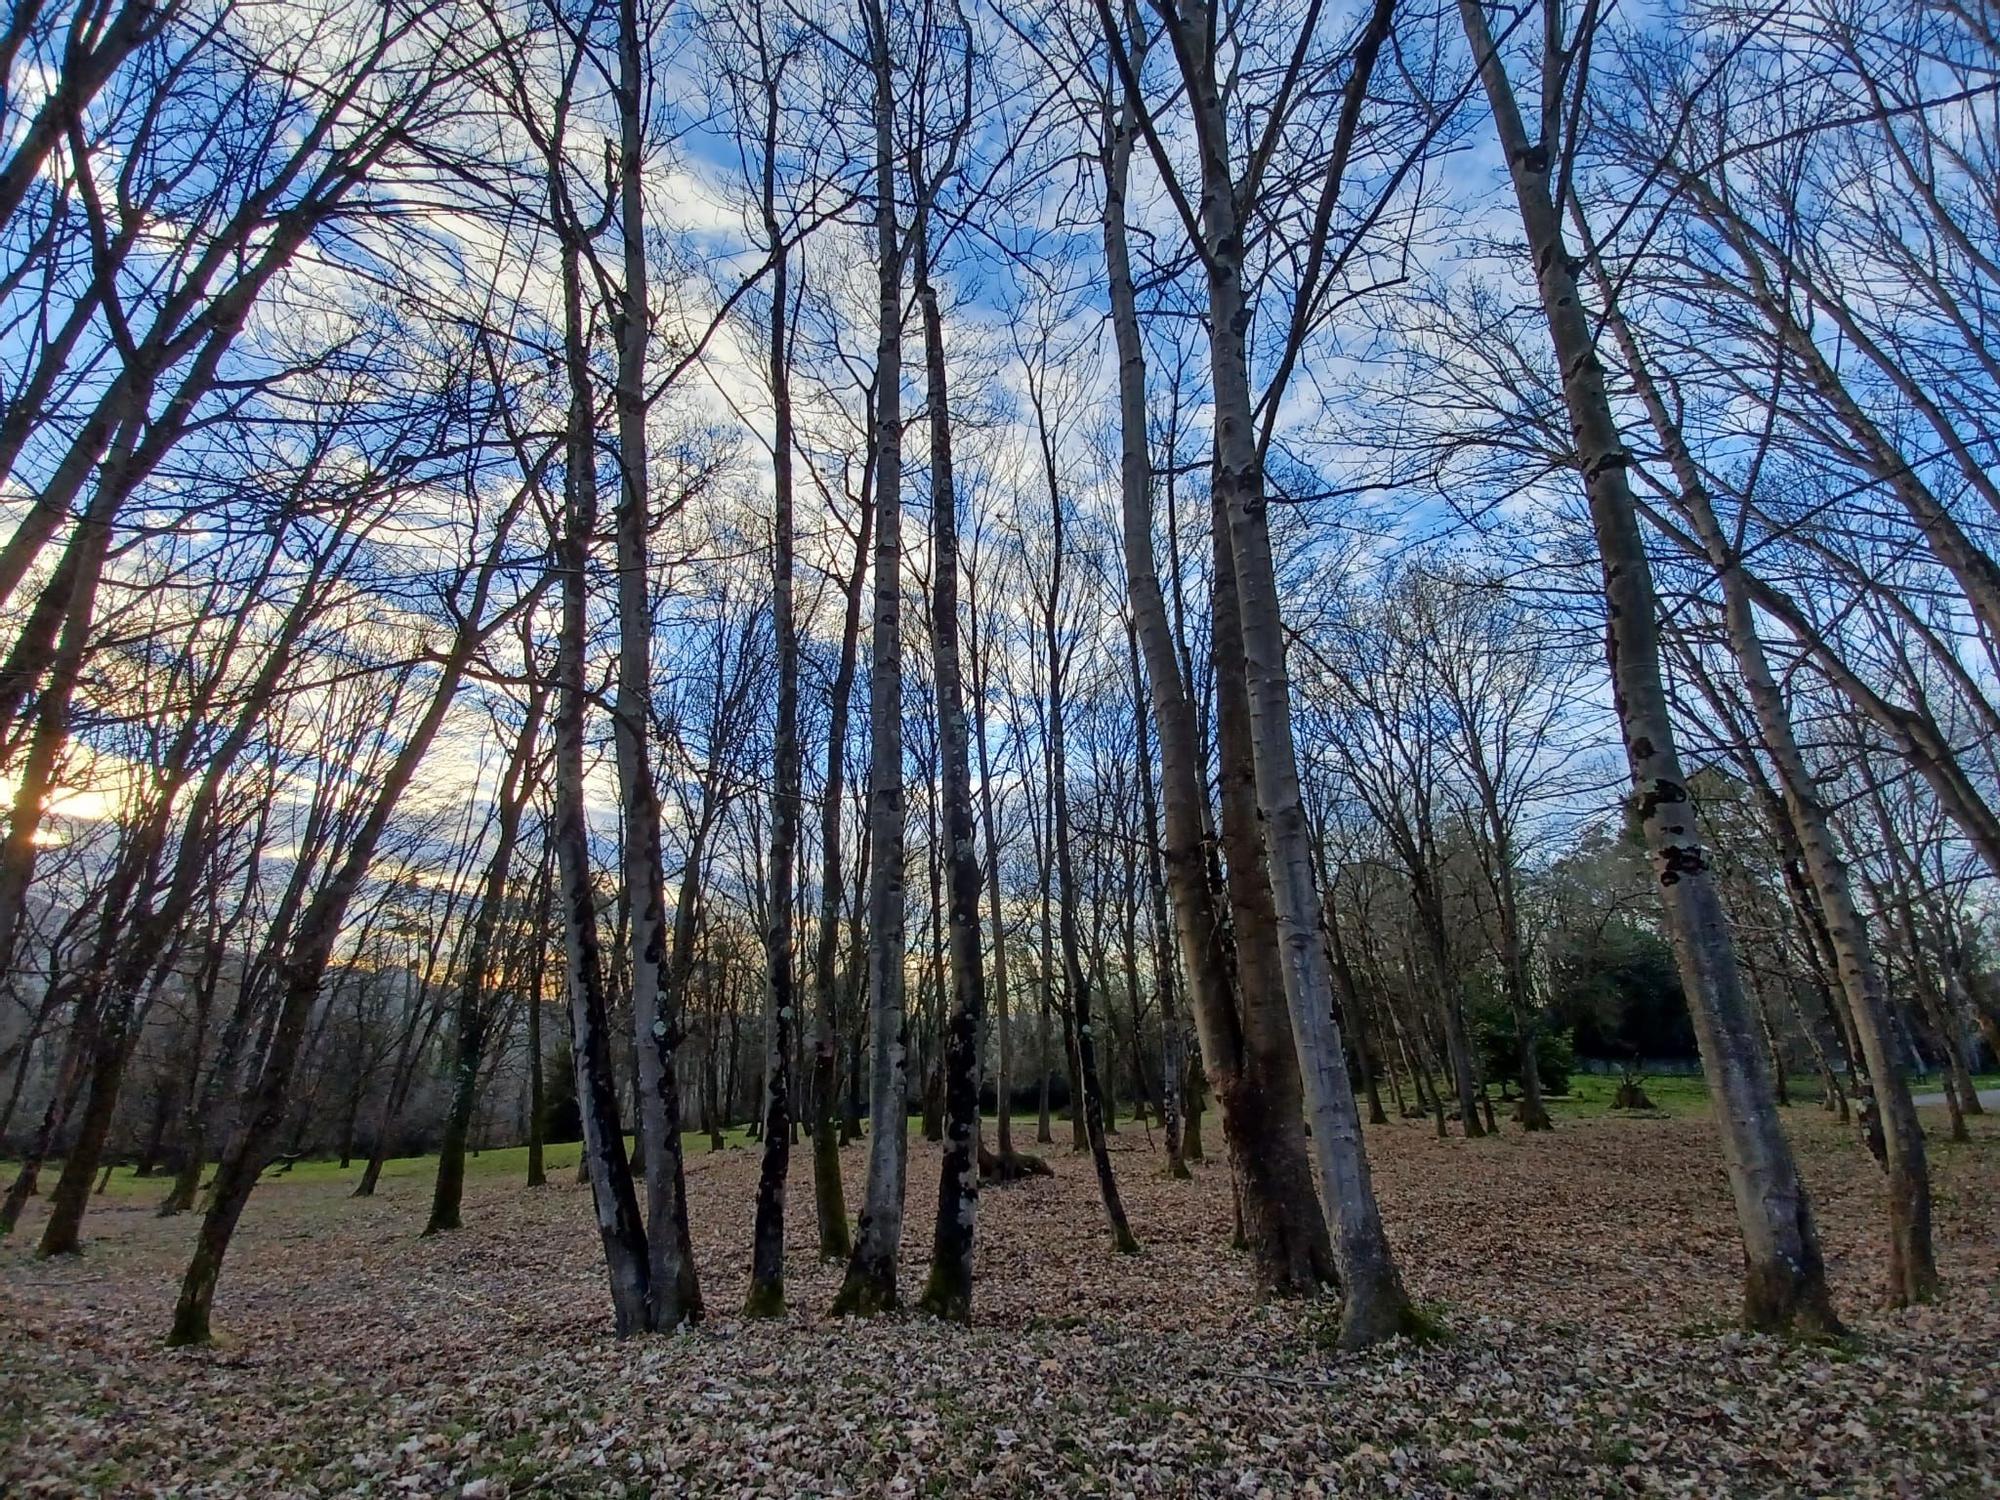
(1497, 1039)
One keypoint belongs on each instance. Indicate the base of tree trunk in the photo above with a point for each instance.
(180, 1196)
(1785, 1300)
(1366, 1322)
(836, 1242)
(766, 1300)
(1871, 1131)
(864, 1296)
(947, 1296)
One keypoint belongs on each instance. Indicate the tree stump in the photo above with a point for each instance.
(1011, 1166)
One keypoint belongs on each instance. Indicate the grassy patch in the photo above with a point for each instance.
(1590, 1095)
(558, 1162)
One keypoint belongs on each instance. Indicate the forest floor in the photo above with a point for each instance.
(1585, 1282)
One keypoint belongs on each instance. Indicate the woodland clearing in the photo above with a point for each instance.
(1585, 1282)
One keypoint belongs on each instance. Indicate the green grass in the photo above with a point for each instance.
(1590, 1094)
(1674, 1094)
(558, 1162)
(1933, 1083)
(1589, 1097)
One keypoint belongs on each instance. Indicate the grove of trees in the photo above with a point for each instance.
(625, 570)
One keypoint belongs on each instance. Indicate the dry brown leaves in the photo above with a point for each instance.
(1587, 1281)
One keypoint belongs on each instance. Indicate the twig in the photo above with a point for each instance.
(1299, 1381)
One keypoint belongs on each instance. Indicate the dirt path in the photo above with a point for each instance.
(1988, 1099)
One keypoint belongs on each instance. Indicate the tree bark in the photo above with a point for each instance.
(1254, 728)
(603, 1162)
(673, 1291)
(948, 1293)
(50, 733)
(1089, 1102)
(1376, 1306)
(766, 1297)
(301, 975)
(538, 1108)
(1283, 1224)
(870, 1284)
(829, 1192)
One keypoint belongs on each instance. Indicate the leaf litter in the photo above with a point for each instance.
(1586, 1284)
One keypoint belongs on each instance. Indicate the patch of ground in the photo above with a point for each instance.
(1587, 1281)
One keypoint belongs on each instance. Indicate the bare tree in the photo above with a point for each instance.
(870, 1284)
(1785, 1282)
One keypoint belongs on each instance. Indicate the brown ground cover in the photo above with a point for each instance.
(1585, 1282)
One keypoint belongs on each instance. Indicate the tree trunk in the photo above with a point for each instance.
(67, 1088)
(1250, 641)
(1350, 1013)
(115, 1036)
(300, 977)
(36, 776)
(829, 1133)
(474, 1009)
(870, 1284)
(1785, 1284)
(155, 1140)
(1283, 1224)
(1531, 1112)
(1003, 1072)
(1912, 1265)
(766, 1297)
(673, 1291)
(603, 1162)
(1045, 976)
(1173, 1052)
(1191, 1146)
(1953, 1002)
(1087, 1103)
(538, 1109)
(948, 1293)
